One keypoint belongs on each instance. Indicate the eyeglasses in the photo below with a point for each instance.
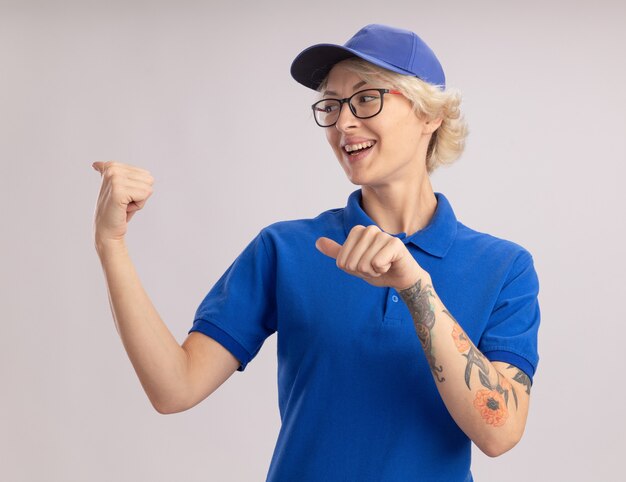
(363, 104)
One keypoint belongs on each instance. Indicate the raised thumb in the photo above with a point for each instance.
(328, 247)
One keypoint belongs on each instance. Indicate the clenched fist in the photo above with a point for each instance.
(375, 256)
(124, 190)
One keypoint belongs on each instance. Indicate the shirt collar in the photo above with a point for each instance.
(436, 238)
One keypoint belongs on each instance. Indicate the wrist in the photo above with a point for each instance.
(104, 246)
(421, 276)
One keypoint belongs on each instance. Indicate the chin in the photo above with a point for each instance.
(357, 179)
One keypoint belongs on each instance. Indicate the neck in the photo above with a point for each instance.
(404, 208)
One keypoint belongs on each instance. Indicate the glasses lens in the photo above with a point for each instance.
(366, 103)
(326, 111)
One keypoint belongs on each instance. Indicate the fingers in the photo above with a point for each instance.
(135, 186)
(384, 257)
(130, 172)
(132, 183)
(366, 251)
(348, 247)
(124, 191)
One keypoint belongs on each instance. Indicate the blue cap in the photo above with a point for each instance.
(392, 48)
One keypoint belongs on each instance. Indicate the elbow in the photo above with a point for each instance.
(161, 409)
(165, 408)
(494, 450)
(169, 406)
(498, 446)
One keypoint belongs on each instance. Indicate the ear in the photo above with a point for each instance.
(432, 125)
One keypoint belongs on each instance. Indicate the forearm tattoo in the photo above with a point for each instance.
(493, 402)
(521, 377)
(417, 299)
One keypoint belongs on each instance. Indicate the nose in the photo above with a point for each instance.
(346, 119)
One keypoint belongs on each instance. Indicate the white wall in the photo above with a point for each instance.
(173, 87)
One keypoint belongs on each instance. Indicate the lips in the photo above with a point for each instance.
(358, 154)
(352, 140)
(356, 147)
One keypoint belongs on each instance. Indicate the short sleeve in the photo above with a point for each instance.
(511, 332)
(239, 311)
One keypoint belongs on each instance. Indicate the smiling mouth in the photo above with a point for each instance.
(354, 149)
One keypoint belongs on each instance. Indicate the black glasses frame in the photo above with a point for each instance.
(347, 100)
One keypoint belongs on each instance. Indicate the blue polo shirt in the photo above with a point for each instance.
(356, 397)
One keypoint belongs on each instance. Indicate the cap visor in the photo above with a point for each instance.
(312, 65)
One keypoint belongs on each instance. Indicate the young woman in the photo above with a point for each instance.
(403, 335)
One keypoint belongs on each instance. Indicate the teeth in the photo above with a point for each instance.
(355, 147)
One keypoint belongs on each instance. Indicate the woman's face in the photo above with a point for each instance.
(400, 138)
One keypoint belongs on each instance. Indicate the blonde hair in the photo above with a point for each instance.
(448, 141)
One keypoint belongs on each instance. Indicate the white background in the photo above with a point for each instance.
(199, 93)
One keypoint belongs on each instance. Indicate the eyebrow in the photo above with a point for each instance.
(356, 86)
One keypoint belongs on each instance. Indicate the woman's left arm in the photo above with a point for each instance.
(488, 400)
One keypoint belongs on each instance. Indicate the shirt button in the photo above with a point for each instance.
(394, 298)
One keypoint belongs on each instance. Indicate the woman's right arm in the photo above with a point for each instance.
(174, 377)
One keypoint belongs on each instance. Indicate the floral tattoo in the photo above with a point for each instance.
(491, 406)
(491, 403)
